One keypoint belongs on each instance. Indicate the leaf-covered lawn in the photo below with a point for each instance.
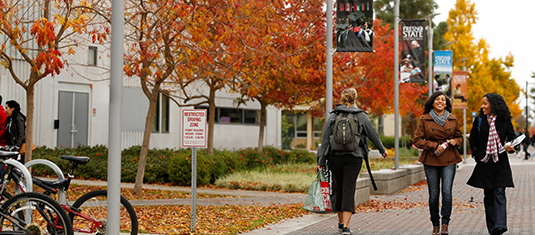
(229, 219)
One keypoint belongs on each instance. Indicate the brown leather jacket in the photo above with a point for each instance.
(429, 135)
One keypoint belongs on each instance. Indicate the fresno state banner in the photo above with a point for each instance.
(459, 90)
(354, 26)
(412, 68)
(443, 68)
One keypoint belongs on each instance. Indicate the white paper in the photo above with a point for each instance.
(515, 142)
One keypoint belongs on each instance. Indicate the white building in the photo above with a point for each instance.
(72, 109)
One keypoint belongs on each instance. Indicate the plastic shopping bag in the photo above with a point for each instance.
(318, 199)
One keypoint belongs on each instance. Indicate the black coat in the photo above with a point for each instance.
(16, 134)
(490, 175)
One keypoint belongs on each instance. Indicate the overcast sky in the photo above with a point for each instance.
(509, 27)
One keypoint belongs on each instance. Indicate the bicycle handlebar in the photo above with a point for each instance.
(9, 148)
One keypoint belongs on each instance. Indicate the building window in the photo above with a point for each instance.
(230, 115)
(165, 113)
(234, 115)
(317, 128)
(160, 122)
(301, 125)
(251, 117)
(298, 125)
(92, 52)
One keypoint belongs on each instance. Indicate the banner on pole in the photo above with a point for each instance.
(460, 90)
(412, 68)
(354, 26)
(443, 67)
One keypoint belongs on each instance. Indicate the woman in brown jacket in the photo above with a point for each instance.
(438, 128)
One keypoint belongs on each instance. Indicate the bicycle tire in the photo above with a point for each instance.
(47, 214)
(97, 201)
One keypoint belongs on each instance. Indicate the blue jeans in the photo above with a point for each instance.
(495, 208)
(434, 176)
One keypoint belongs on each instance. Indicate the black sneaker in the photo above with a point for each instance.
(346, 231)
(340, 228)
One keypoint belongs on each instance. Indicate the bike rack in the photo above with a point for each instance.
(25, 172)
(59, 173)
(27, 179)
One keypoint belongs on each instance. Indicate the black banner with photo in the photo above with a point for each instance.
(412, 67)
(354, 26)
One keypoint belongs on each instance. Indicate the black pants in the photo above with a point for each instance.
(345, 170)
(527, 155)
(495, 209)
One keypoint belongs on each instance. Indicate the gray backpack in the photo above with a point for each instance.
(344, 132)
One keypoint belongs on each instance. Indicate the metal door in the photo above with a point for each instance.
(73, 119)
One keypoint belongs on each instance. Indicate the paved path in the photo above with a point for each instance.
(242, 197)
(468, 215)
(467, 218)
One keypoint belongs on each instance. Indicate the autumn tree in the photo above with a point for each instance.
(37, 35)
(485, 74)
(154, 41)
(284, 58)
(214, 53)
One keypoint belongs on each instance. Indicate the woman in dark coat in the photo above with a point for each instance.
(15, 125)
(438, 126)
(491, 130)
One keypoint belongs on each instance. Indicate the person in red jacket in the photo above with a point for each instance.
(3, 118)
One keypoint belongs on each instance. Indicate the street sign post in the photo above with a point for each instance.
(194, 136)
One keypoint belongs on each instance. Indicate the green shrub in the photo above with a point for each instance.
(168, 165)
(389, 141)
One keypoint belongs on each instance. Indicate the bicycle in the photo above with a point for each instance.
(93, 204)
(33, 213)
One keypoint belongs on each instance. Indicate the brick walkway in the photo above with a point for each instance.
(468, 216)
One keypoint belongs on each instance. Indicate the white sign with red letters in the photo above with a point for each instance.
(194, 128)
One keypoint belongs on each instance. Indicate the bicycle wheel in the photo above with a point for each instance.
(46, 216)
(94, 205)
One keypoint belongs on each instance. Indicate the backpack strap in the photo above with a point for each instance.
(370, 173)
(479, 118)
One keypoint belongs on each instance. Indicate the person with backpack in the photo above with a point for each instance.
(438, 134)
(492, 172)
(344, 145)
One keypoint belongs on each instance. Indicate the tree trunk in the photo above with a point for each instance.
(138, 186)
(29, 122)
(211, 118)
(262, 128)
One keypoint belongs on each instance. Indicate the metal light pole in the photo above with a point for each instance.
(114, 135)
(464, 118)
(430, 49)
(449, 44)
(396, 79)
(329, 68)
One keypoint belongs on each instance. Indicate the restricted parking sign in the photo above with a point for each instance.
(194, 128)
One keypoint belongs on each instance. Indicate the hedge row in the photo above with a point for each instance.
(389, 141)
(168, 165)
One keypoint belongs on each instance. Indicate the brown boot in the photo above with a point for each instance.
(436, 230)
(444, 230)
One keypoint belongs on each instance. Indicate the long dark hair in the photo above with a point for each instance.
(15, 106)
(498, 106)
(429, 102)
